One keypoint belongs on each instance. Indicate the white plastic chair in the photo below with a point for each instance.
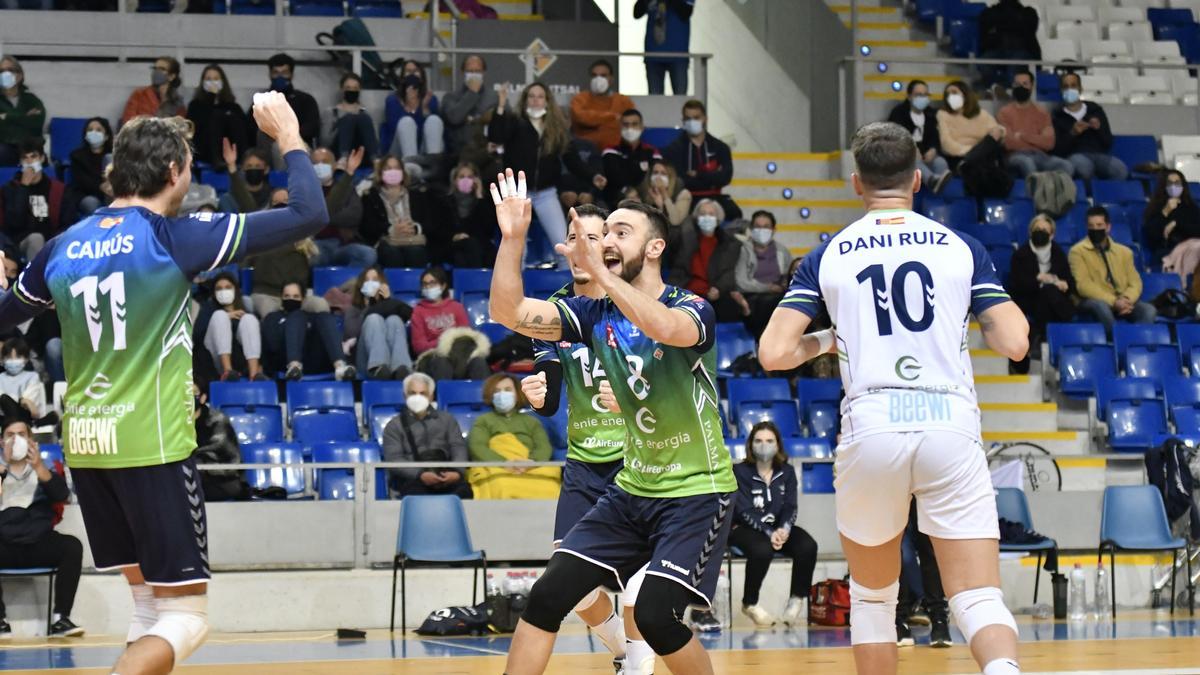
(1183, 86)
(1057, 13)
(1077, 30)
(1132, 31)
(1060, 50)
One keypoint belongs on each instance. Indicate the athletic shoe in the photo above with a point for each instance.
(345, 373)
(939, 634)
(231, 376)
(705, 622)
(761, 617)
(401, 372)
(294, 372)
(380, 373)
(919, 616)
(939, 183)
(260, 377)
(64, 627)
(5, 630)
(795, 614)
(904, 636)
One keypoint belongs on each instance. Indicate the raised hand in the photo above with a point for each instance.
(514, 210)
(607, 398)
(534, 388)
(581, 250)
(276, 119)
(229, 153)
(355, 159)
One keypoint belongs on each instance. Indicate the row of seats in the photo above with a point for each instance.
(362, 9)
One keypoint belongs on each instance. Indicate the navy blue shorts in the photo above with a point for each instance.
(149, 516)
(583, 483)
(680, 538)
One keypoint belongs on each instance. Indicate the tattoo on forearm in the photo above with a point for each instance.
(535, 325)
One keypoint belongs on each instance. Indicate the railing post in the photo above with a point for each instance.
(356, 61)
(701, 77)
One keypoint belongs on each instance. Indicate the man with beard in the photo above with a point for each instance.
(668, 510)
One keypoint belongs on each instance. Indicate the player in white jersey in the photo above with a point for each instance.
(900, 289)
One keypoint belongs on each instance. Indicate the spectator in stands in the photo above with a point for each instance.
(217, 443)
(20, 381)
(422, 433)
(1082, 135)
(230, 332)
(22, 115)
(249, 190)
(765, 524)
(374, 328)
(161, 98)
(1172, 225)
(535, 139)
(447, 347)
(705, 262)
(392, 216)
(339, 243)
(467, 110)
(971, 139)
(914, 114)
(470, 220)
(274, 269)
(302, 341)
(1105, 275)
(1041, 283)
(668, 29)
(352, 125)
(1007, 30)
(282, 69)
(703, 162)
(596, 114)
(217, 119)
(626, 163)
(583, 182)
(1029, 132)
(89, 188)
(412, 116)
(43, 334)
(661, 188)
(34, 205)
(761, 266)
(31, 495)
(504, 434)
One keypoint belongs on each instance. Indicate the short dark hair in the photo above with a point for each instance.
(591, 211)
(660, 227)
(439, 274)
(1024, 71)
(885, 155)
(143, 153)
(463, 65)
(1062, 79)
(32, 144)
(293, 282)
(633, 112)
(1098, 211)
(913, 85)
(16, 344)
(763, 213)
(605, 63)
(258, 153)
(347, 76)
(282, 59)
(694, 104)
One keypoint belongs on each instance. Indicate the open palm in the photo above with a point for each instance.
(514, 210)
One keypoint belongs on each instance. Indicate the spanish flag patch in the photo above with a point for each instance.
(894, 220)
(111, 222)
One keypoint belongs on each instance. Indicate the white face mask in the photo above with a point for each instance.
(660, 179)
(535, 113)
(94, 138)
(1174, 191)
(504, 401)
(706, 223)
(212, 86)
(35, 167)
(955, 101)
(693, 127)
(324, 171)
(20, 448)
(7, 80)
(472, 77)
(432, 293)
(764, 451)
(417, 403)
(369, 288)
(599, 85)
(631, 135)
(224, 296)
(762, 235)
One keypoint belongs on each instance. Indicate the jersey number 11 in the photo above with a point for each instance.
(90, 288)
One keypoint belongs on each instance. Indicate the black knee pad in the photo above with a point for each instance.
(567, 580)
(659, 614)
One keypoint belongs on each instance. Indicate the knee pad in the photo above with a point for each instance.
(145, 613)
(873, 613)
(979, 608)
(182, 622)
(659, 614)
(630, 595)
(588, 600)
(567, 580)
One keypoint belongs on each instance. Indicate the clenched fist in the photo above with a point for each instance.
(534, 388)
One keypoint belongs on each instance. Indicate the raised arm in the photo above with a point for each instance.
(508, 305)
(784, 344)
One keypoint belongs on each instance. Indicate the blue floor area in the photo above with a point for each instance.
(248, 649)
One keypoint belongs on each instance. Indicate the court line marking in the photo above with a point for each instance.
(482, 650)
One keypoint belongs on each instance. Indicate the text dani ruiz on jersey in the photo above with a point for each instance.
(893, 239)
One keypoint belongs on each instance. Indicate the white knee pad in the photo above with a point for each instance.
(182, 622)
(979, 608)
(145, 613)
(873, 613)
(629, 597)
(588, 600)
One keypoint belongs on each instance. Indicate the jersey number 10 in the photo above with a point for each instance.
(90, 288)
(899, 301)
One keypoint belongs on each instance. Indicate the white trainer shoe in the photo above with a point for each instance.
(761, 617)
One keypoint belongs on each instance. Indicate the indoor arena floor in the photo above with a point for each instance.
(1139, 642)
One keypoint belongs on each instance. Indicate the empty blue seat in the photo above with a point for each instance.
(355, 452)
(994, 236)
(816, 479)
(1126, 389)
(433, 529)
(1072, 227)
(243, 394)
(1118, 191)
(472, 288)
(755, 400)
(405, 283)
(319, 396)
(325, 278)
(1126, 335)
(1013, 214)
(377, 421)
(820, 400)
(476, 306)
(458, 392)
(263, 424)
(289, 477)
(951, 213)
(737, 448)
(334, 484)
(317, 8)
(808, 446)
(1187, 419)
(382, 393)
(1133, 518)
(1156, 282)
(1002, 260)
(545, 283)
(313, 426)
(1181, 390)
(964, 35)
(782, 413)
(1132, 425)
(66, 134)
(733, 340)
(1059, 335)
(1048, 91)
(1161, 16)
(1135, 150)
(1012, 506)
(1155, 361)
(380, 9)
(1081, 368)
(1189, 345)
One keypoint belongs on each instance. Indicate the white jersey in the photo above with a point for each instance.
(899, 289)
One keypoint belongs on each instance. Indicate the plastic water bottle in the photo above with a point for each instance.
(493, 588)
(1102, 603)
(512, 583)
(1077, 595)
(530, 579)
(721, 609)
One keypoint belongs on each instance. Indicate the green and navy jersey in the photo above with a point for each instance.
(674, 446)
(594, 435)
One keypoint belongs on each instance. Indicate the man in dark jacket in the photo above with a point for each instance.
(282, 68)
(626, 163)
(1007, 30)
(29, 491)
(915, 115)
(703, 162)
(705, 262)
(420, 433)
(1082, 135)
(467, 110)
(339, 241)
(32, 207)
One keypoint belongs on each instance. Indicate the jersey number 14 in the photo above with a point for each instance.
(90, 288)
(898, 298)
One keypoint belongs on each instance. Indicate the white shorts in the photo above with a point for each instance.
(945, 471)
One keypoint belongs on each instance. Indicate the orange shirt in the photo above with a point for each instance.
(598, 118)
(145, 101)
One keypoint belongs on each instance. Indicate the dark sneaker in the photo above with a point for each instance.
(401, 372)
(904, 636)
(231, 376)
(939, 183)
(380, 373)
(294, 373)
(918, 617)
(705, 622)
(5, 630)
(345, 373)
(64, 627)
(939, 634)
(260, 377)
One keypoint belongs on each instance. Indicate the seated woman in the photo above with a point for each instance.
(764, 523)
(19, 381)
(704, 260)
(970, 137)
(661, 188)
(1041, 283)
(374, 328)
(470, 221)
(224, 316)
(505, 435)
(411, 116)
(393, 216)
(447, 347)
(88, 185)
(302, 341)
(352, 125)
(1172, 225)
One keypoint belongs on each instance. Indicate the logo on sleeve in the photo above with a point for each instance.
(110, 222)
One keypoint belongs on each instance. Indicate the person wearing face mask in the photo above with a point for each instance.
(467, 110)
(88, 161)
(161, 98)
(22, 114)
(31, 495)
(1041, 283)
(761, 266)
(705, 260)
(764, 523)
(1105, 276)
(217, 117)
(340, 243)
(412, 125)
(1029, 132)
(422, 433)
(973, 143)
(662, 189)
(249, 189)
(281, 69)
(626, 163)
(373, 327)
(702, 161)
(393, 216)
(352, 125)
(596, 113)
(34, 206)
(470, 222)
(504, 434)
(19, 381)
(1172, 225)
(915, 115)
(1082, 134)
(229, 331)
(275, 269)
(446, 345)
(297, 341)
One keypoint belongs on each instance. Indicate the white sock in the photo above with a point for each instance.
(639, 658)
(612, 634)
(1002, 667)
(145, 614)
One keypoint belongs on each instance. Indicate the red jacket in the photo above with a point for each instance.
(430, 320)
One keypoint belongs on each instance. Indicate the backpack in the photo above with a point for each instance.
(1173, 303)
(1053, 192)
(354, 33)
(983, 174)
(456, 621)
(829, 603)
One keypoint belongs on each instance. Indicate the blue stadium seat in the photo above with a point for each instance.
(290, 478)
(964, 35)
(1126, 335)
(1155, 361)
(1002, 258)
(317, 8)
(51, 453)
(246, 278)
(331, 483)
(1126, 389)
(1059, 335)
(737, 448)
(1014, 214)
(1181, 390)
(472, 288)
(380, 9)
(263, 424)
(808, 446)
(994, 236)
(929, 10)
(405, 283)
(1186, 418)
(244, 394)
(782, 413)
(820, 400)
(1189, 345)
(319, 396)
(755, 400)
(1134, 150)
(377, 421)
(1132, 425)
(1048, 91)
(384, 394)
(494, 331)
(466, 416)
(1156, 282)
(1186, 35)
(951, 213)
(66, 134)
(733, 340)
(1121, 231)
(814, 478)
(246, 7)
(325, 278)
(1012, 506)
(556, 424)
(1072, 227)
(217, 180)
(1081, 368)
(544, 283)
(660, 137)
(459, 392)
(335, 484)
(1118, 191)
(314, 426)
(1159, 16)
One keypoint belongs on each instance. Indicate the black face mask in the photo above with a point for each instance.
(1021, 94)
(255, 176)
(1039, 238)
(350, 96)
(1097, 236)
(291, 305)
